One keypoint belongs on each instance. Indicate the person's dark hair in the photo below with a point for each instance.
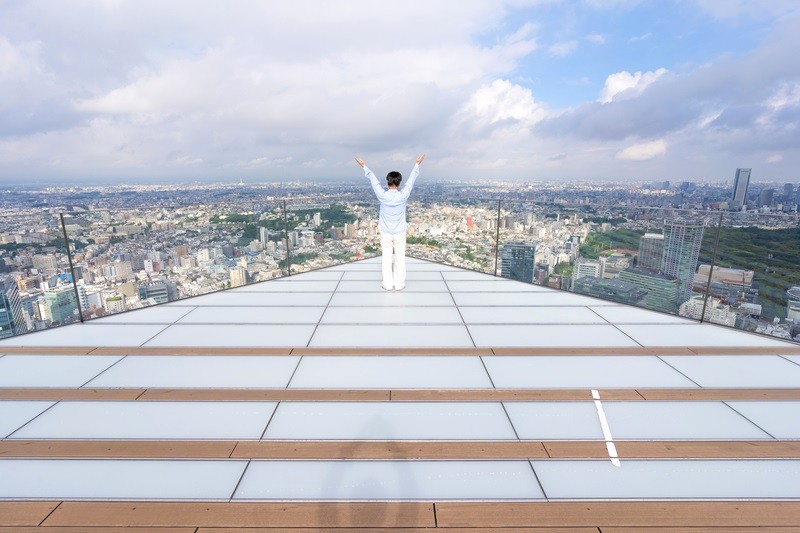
(394, 178)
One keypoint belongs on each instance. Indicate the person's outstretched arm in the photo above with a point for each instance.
(406, 190)
(372, 179)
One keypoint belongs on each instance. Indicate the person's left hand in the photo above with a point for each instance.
(360, 162)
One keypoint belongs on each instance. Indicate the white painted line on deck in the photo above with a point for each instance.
(612, 450)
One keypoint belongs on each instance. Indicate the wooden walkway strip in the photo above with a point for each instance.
(274, 515)
(24, 513)
(788, 349)
(606, 514)
(395, 395)
(284, 515)
(387, 450)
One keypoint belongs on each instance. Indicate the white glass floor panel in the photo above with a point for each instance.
(412, 285)
(465, 275)
(394, 336)
(391, 372)
(233, 335)
(150, 420)
(430, 267)
(360, 266)
(527, 298)
(88, 334)
(493, 285)
(391, 299)
(589, 335)
(377, 276)
(694, 335)
(14, 414)
(390, 421)
(669, 479)
(315, 275)
(780, 419)
(794, 358)
(583, 371)
(201, 371)
(254, 315)
(530, 315)
(295, 285)
(678, 421)
(69, 479)
(752, 371)
(161, 314)
(623, 314)
(388, 480)
(52, 370)
(387, 315)
(235, 298)
(555, 420)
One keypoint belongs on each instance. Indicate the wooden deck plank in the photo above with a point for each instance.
(606, 514)
(297, 395)
(490, 395)
(388, 450)
(189, 350)
(413, 450)
(117, 449)
(401, 395)
(720, 394)
(274, 515)
(709, 529)
(389, 350)
(25, 513)
(575, 449)
(708, 449)
(120, 529)
(619, 350)
(70, 394)
(402, 530)
(746, 350)
(47, 350)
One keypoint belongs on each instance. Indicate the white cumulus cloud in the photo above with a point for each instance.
(643, 151)
(626, 85)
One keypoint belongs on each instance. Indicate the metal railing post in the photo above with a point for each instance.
(286, 239)
(71, 268)
(711, 270)
(497, 238)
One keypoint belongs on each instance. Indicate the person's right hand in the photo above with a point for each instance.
(420, 159)
(360, 162)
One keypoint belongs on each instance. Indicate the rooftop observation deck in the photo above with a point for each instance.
(465, 401)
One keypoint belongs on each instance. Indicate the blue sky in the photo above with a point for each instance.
(511, 89)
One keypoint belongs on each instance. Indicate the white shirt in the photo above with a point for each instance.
(392, 218)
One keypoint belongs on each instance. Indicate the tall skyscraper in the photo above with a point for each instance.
(788, 192)
(12, 320)
(740, 184)
(62, 307)
(765, 197)
(682, 241)
(518, 261)
(651, 251)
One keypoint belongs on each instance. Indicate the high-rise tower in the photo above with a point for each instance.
(682, 241)
(651, 251)
(518, 261)
(740, 184)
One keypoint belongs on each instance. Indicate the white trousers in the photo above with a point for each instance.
(393, 244)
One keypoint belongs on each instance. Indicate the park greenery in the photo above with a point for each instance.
(771, 253)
